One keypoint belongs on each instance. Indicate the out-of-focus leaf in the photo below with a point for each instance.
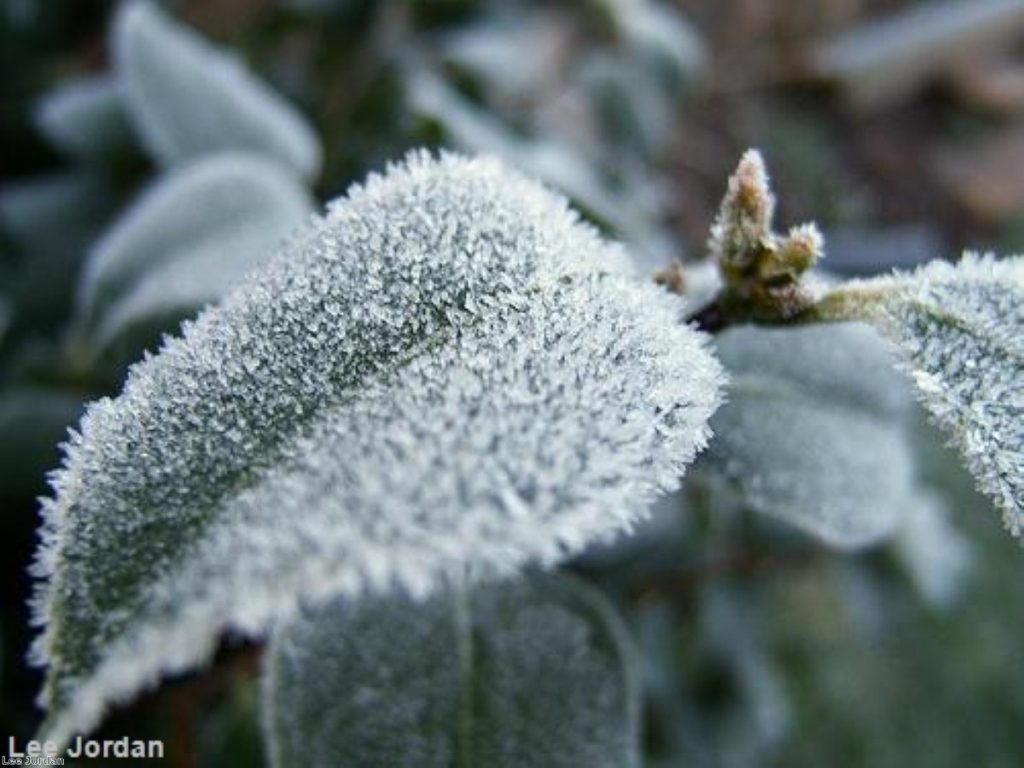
(658, 28)
(760, 718)
(517, 55)
(888, 57)
(534, 673)
(935, 554)
(188, 98)
(33, 423)
(815, 431)
(943, 688)
(85, 118)
(446, 371)
(196, 233)
(554, 162)
(51, 220)
(53, 215)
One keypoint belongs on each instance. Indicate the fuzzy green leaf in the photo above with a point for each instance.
(193, 235)
(188, 98)
(815, 431)
(535, 673)
(446, 371)
(84, 117)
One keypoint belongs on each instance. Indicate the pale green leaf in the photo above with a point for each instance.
(189, 98)
(447, 370)
(934, 553)
(814, 431)
(84, 117)
(196, 233)
(555, 160)
(534, 673)
(960, 329)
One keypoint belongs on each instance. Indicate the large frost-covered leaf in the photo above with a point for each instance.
(532, 673)
(84, 117)
(961, 331)
(815, 430)
(447, 371)
(189, 238)
(189, 98)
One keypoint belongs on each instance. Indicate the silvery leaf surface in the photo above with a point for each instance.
(189, 238)
(85, 118)
(187, 97)
(446, 372)
(815, 431)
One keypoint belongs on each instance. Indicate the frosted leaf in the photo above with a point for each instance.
(814, 431)
(959, 328)
(188, 98)
(447, 371)
(84, 117)
(551, 159)
(532, 673)
(187, 240)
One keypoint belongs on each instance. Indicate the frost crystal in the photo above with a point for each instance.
(189, 98)
(534, 673)
(447, 371)
(960, 330)
(815, 431)
(193, 235)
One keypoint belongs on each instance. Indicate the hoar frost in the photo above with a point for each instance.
(448, 371)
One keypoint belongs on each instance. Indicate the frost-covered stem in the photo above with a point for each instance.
(846, 303)
(726, 310)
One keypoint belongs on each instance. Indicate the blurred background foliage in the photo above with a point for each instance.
(897, 125)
